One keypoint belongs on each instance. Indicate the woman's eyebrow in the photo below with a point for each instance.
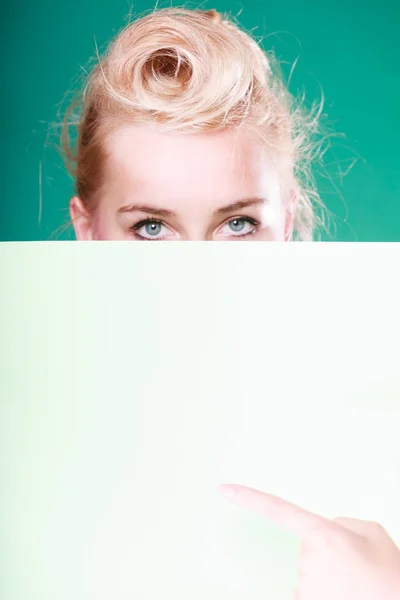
(239, 204)
(152, 210)
(164, 212)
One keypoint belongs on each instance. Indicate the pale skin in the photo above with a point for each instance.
(177, 187)
(340, 559)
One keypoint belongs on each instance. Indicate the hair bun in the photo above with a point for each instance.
(178, 67)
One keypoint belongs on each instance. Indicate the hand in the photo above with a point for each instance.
(343, 559)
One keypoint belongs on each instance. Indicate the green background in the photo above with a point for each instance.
(348, 49)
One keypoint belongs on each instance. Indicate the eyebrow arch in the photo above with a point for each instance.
(239, 204)
(164, 212)
(151, 210)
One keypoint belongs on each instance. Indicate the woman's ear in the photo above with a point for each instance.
(290, 213)
(81, 220)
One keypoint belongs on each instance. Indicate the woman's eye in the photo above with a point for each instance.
(150, 230)
(238, 226)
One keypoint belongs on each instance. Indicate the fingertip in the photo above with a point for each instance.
(228, 490)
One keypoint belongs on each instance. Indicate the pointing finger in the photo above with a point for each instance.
(279, 511)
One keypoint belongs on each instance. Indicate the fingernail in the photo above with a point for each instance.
(228, 491)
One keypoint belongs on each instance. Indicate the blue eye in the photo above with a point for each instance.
(150, 229)
(239, 227)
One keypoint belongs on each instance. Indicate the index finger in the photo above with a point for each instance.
(285, 514)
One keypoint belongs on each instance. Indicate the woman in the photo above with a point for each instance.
(187, 132)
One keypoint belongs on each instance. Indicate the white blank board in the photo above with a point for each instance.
(137, 377)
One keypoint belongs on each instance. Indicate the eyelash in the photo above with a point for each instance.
(146, 221)
(249, 220)
(134, 228)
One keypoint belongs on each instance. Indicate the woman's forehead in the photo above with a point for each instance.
(147, 158)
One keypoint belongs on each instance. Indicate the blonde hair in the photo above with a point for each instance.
(192, 71)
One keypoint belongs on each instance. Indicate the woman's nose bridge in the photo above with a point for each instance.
(197, 237)
(197, 230)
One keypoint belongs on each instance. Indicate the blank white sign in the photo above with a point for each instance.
(137, 377)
